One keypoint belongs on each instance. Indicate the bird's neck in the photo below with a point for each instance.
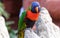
(32, 16)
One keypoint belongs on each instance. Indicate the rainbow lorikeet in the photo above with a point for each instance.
(28, 18)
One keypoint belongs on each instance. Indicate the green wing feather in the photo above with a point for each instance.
(21, 24)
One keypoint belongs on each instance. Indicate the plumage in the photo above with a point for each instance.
(28, 18)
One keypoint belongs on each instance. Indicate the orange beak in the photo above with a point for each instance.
(36, 9)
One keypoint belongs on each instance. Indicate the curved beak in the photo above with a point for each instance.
(36, 9)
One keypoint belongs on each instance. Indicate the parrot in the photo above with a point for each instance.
(28, 18)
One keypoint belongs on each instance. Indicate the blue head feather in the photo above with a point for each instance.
(34, 5)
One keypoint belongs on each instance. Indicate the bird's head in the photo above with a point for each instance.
(35, 7)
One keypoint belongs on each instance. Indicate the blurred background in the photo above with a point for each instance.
(11, 9)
